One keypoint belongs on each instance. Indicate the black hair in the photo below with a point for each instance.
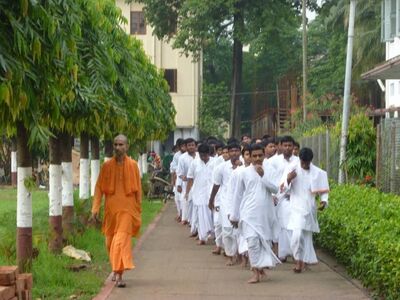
(269, 140)
(211, 139)
(190, 140)
(232, 140)
(255, 147)
(287, 139)
(219, 145)
(180, 142)
(225, 147)
(244, 135)
(306, 154)
(233, 146)
(296, 144)
(246, 148)
(204, 148)
(266, 136)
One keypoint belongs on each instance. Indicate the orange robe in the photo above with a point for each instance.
(120, 183)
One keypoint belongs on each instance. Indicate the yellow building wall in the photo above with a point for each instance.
(189, 76)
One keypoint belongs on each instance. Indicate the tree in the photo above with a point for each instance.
(192, 24)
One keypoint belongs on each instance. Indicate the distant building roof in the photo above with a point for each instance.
(387, 70)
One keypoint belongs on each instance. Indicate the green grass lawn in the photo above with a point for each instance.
(52, 277)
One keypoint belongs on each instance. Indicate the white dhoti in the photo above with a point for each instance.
(259, 250)
(194, 219)
(229, 239)
(204, 221)
(184, 207)
(242, 244)
(218, 229)
(301, 245)
(285, 235)
(190, 210)
(177, 201)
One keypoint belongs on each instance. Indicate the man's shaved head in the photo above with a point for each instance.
(121, 137)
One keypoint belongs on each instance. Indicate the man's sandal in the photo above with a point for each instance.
(119, 283)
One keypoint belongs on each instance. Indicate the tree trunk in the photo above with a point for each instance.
(13, 161)
(84, 186)
(55, 196)
(67, 184)
(108, 150)
(237, 62)
(94, 163)
(24, 201)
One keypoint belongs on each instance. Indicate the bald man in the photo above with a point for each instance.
(119, 181)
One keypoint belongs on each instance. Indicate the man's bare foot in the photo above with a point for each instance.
(119, 282)
(114, 277)
(193, 234)
(299, 267)
(283, 259)
(184, 222)
(230, 261)
(255, 278)
(200, 242)
(217, 251)
(245, 262)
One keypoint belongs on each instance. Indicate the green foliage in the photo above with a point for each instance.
(214, 110)
(361, 228)
(52, 277)
(361, 148)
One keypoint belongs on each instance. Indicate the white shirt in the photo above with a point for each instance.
(174, 163)
(302, 197)
(183, 167)
(222, 177)
(253, 204)
(201, 173)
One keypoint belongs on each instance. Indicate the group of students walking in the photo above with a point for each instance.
(255, 198)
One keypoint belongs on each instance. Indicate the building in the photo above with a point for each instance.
(182, 74)
(390, 69)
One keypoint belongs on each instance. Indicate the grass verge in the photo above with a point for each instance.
(53, 278)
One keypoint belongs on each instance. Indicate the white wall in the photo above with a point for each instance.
(392, 95)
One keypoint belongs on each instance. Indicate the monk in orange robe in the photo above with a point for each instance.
(119, 181)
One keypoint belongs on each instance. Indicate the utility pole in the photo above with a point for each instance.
(346, 97)
(304, 61)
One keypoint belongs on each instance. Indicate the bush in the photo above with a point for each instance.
(362, 229)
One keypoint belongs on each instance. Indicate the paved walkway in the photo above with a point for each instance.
(171, 266)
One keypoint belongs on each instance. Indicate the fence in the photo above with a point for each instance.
(325, 147)
(326, 154)
(388, 156)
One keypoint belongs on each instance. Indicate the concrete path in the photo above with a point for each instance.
(170, 265)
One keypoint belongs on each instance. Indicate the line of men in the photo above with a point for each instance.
(255, 198)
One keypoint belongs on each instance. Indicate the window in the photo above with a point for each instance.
(390, 20)
(138, 23)
(170, 76)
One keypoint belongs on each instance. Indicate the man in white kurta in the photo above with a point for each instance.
(199, 185)
(253, 212)
(180, 143)
(217, 203)
(280, 163)
(304, 181)
(183, 167)
(222, 176)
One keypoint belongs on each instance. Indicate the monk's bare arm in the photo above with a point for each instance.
(214, 192)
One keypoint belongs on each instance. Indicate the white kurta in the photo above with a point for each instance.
(303, 209)
(222, 177)
(254, 209)
(183, 167)
(172, 167)
(279, 163)
(216, 213)
(201, 173)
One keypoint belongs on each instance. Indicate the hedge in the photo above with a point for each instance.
(361, 228)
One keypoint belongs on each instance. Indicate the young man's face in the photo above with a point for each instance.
(219, 151)
(257, 157)
(247, 157)
(204, 157)
(305, 164)
(182, 148)
(246, 139)
(287, 149)
(234, 153)
(296, 150)
(191, 147)
(270, 150)
(225, 154)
